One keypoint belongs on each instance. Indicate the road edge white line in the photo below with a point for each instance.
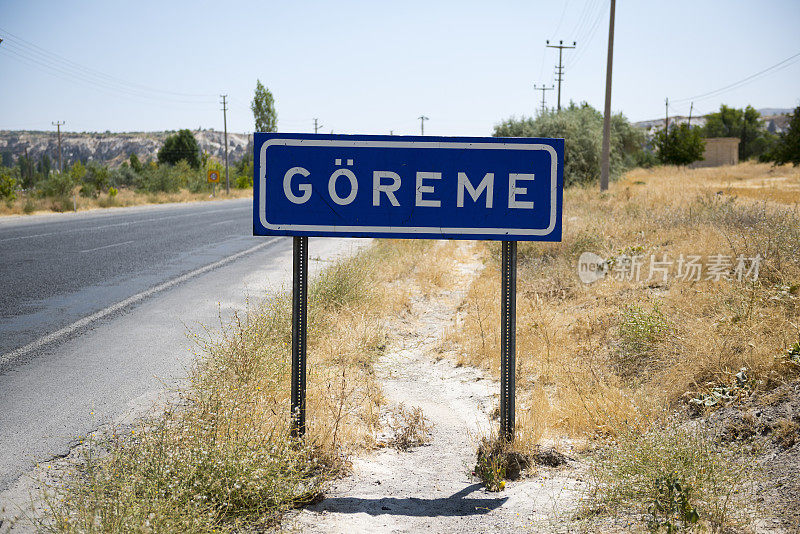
(108, 246)
(112, 225)
(81, 323)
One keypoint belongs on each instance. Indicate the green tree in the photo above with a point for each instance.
(243, 171)
(6, 159)
(136, 165)
(263, 106)
(581, 126)
(180, 146)
(60, 184)
(25, 166)
(787, 148)
(95, 180)
(744, 124)
(77, 172)
(44, 166)
(8, 184)
(682, 145)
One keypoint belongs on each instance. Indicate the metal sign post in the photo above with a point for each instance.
(501, 189)
(508, 339)
(213, 179)
(299, 329)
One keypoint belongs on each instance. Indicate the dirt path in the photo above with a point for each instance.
(430, 488)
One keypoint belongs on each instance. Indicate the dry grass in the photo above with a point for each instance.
(30, 204)
(597, 359)
(611, 359)
(409, 426)
(220, 458)
(606, 360)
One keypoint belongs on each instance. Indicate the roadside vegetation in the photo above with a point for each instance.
(179, 174)
(636, 375)
(659, 381)
(581, 126)
(632, 367)
(219, 458)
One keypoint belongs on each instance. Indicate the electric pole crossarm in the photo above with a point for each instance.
(59, 124)
(422, 119)
(560, 69)
(543, 89)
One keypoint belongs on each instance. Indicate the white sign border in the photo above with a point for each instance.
(407, 229)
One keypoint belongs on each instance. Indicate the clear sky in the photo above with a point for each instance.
(376, 66)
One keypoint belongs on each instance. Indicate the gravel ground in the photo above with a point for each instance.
(430, 488)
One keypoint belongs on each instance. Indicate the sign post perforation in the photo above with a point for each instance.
(299, 333)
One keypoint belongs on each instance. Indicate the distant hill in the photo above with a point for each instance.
(114, 148)
(765, 112)
(776, 121)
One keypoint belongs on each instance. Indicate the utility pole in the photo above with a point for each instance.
(689, 122)
(560, 69)
(422, 120)
(59, 124)
(543, 88)
(666, 121)
(225, 123)
(605, 165)
(28, 167)
(317, 126)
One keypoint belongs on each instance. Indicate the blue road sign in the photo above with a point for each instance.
(408, 187)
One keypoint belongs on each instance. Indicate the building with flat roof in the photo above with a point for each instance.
(719, 151)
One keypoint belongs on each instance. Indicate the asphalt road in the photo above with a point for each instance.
(56, 270)
(97, 312)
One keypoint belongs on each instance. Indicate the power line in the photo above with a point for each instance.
(35, 51)
(584, 18)
(560, 20)
(735, 85)
(589, 37)
(73, 77)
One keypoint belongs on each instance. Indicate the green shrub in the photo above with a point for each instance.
(244, 172)
(640, 332)
(177, 474)
(158, 179)
(8, 185)
(58, 186)
(29, 206)
(342, 283)
(672, 475)
(682, 145)
(492, 472)
(95, 180)
(244, 181)
(582, 130)
(787, 147)
(124, 176)
(671, 505)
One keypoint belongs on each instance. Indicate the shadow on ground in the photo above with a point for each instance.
(454, 505)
